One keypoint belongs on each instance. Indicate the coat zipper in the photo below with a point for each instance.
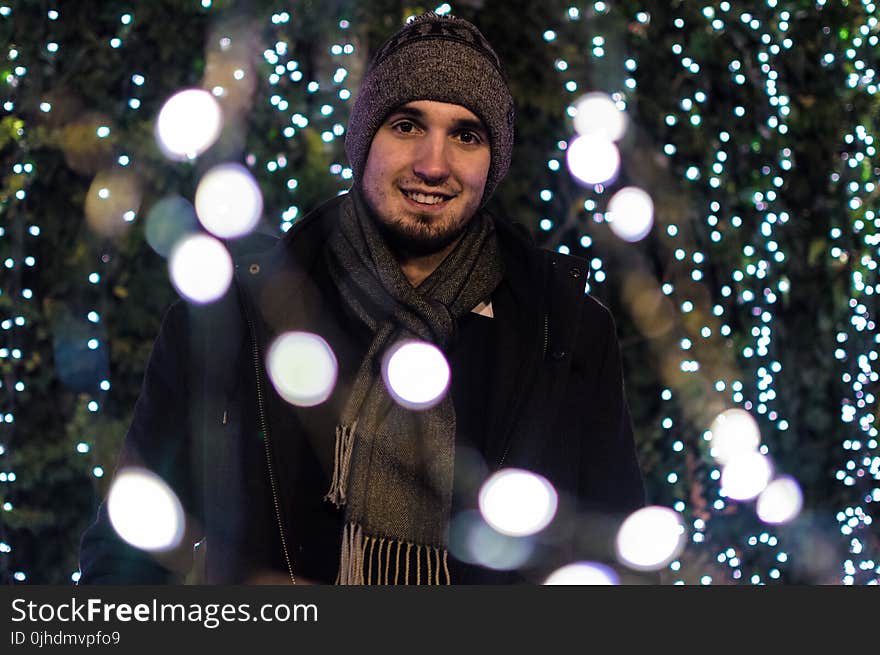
(546, 335)
(265, 430)
(543, 357)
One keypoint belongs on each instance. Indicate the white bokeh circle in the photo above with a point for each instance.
(734, 432)
(632, 213)
(650, 538)
(596, 113)
(583, 573)
(781, 501)
(144, 511)
(746, 475)
(302, 368)
(201, 268)
(228, 201)
(416, 374)
(593, 159)
(188, 124)
(517, 503)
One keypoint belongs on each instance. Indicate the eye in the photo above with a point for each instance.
(404, 127)
(469, 138)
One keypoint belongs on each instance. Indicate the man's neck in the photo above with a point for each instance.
(417, 268)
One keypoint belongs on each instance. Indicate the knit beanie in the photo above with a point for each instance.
(439, 58)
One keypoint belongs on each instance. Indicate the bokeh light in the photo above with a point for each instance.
(474, 541)
(228, 201)
(416, 374)
(517, 502)
(593, 159)
(728, 160)
(112, 202)
(583, 573)
(201, 268)
(168, 221)
(188, 124)
(745, 476)
(734, 432)
(650, 538)
(302, 368)
(597, 114)
(631, 214)
(781, 501)
(144, 510)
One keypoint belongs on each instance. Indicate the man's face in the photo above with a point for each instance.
(425, 174)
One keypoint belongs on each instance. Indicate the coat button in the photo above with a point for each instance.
(575, 272)
(559, 354)
(254, 269)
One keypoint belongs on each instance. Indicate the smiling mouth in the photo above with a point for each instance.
(426, 198)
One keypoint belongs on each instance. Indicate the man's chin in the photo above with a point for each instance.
(414, 241)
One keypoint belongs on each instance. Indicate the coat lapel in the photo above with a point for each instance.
(519, 309)
(539, 314)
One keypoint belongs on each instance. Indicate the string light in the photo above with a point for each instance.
(750, 292)
(287, 94)
(112, 206)
(757, 279)
(18, 227)
(758, 283)
(853, 247)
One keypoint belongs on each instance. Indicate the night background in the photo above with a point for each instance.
(751, 125)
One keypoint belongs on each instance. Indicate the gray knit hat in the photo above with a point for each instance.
(440, 58)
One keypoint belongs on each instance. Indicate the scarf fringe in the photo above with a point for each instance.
(341, 463)
(371, 555)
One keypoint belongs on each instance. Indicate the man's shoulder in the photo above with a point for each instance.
(251, 244)
(298, 246)
(575, 272)
(513, 235)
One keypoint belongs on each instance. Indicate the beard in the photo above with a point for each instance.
(408, 232)
(418, 235)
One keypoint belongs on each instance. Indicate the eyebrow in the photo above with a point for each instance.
(459, 123)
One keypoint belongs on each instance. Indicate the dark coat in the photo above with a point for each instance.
(209, 422)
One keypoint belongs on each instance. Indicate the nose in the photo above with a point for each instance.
(431, 162)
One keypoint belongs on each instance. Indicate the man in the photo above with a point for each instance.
(360, 488)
